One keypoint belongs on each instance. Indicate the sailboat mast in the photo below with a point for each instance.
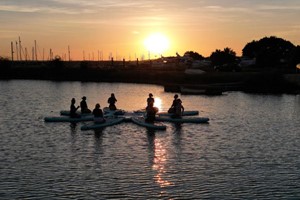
(32, 53)
(12, 51)
(35, 50)
(69, 52)
(25, 54)
(20, 48)
(17, 50)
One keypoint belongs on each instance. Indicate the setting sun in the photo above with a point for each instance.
(157, 43)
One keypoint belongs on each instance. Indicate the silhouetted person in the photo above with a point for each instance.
(150, 99)
(83, 106)
(98, 114)
(73, 109)
(176, 108)
(150, 109)
(151, 112)
(112, 101)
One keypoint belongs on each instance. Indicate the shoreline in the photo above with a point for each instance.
(172, 77)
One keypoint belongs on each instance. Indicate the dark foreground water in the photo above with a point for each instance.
(249, 150)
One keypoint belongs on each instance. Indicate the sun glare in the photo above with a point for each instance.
(158, 103)
(156, 43)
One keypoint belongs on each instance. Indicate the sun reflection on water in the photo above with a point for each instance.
(159, 161)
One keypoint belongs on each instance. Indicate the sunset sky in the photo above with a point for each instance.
(121, 27)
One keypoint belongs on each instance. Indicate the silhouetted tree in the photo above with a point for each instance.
(250, 50)
(269, 51)
(294, 57)
(4, 62)
(194, 55)
(5, 65)
(219, 57)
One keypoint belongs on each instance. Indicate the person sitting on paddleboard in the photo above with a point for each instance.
(112, 101)
(151, 112)
(98, 114)
(73, 109)
(84, 107)
(176, 108)
(150, 99)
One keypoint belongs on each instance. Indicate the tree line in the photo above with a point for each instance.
(268, 52)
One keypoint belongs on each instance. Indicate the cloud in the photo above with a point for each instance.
(41, 8)
(150, 12)
(73, 6)
(279, 7)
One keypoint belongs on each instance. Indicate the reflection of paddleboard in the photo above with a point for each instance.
(141, 121)
(108, 122)
(183, 120)
(69, 119)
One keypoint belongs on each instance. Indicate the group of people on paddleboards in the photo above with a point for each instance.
(97, 112)
(176, 108)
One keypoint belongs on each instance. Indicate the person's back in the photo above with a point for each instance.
(178, 108)
(98, 114)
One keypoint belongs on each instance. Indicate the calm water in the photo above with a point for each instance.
(249, 150)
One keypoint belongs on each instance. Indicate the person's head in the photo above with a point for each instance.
(84, 98)
(150, 95)
(175, 96)
(112, 95)
(73, 100)
(97, 105)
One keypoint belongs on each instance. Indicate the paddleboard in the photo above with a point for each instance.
(108, 122)
(141, 121)
(185, 113)
(106, 110)
(183, 119)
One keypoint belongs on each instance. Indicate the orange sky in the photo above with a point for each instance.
(120, 27)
